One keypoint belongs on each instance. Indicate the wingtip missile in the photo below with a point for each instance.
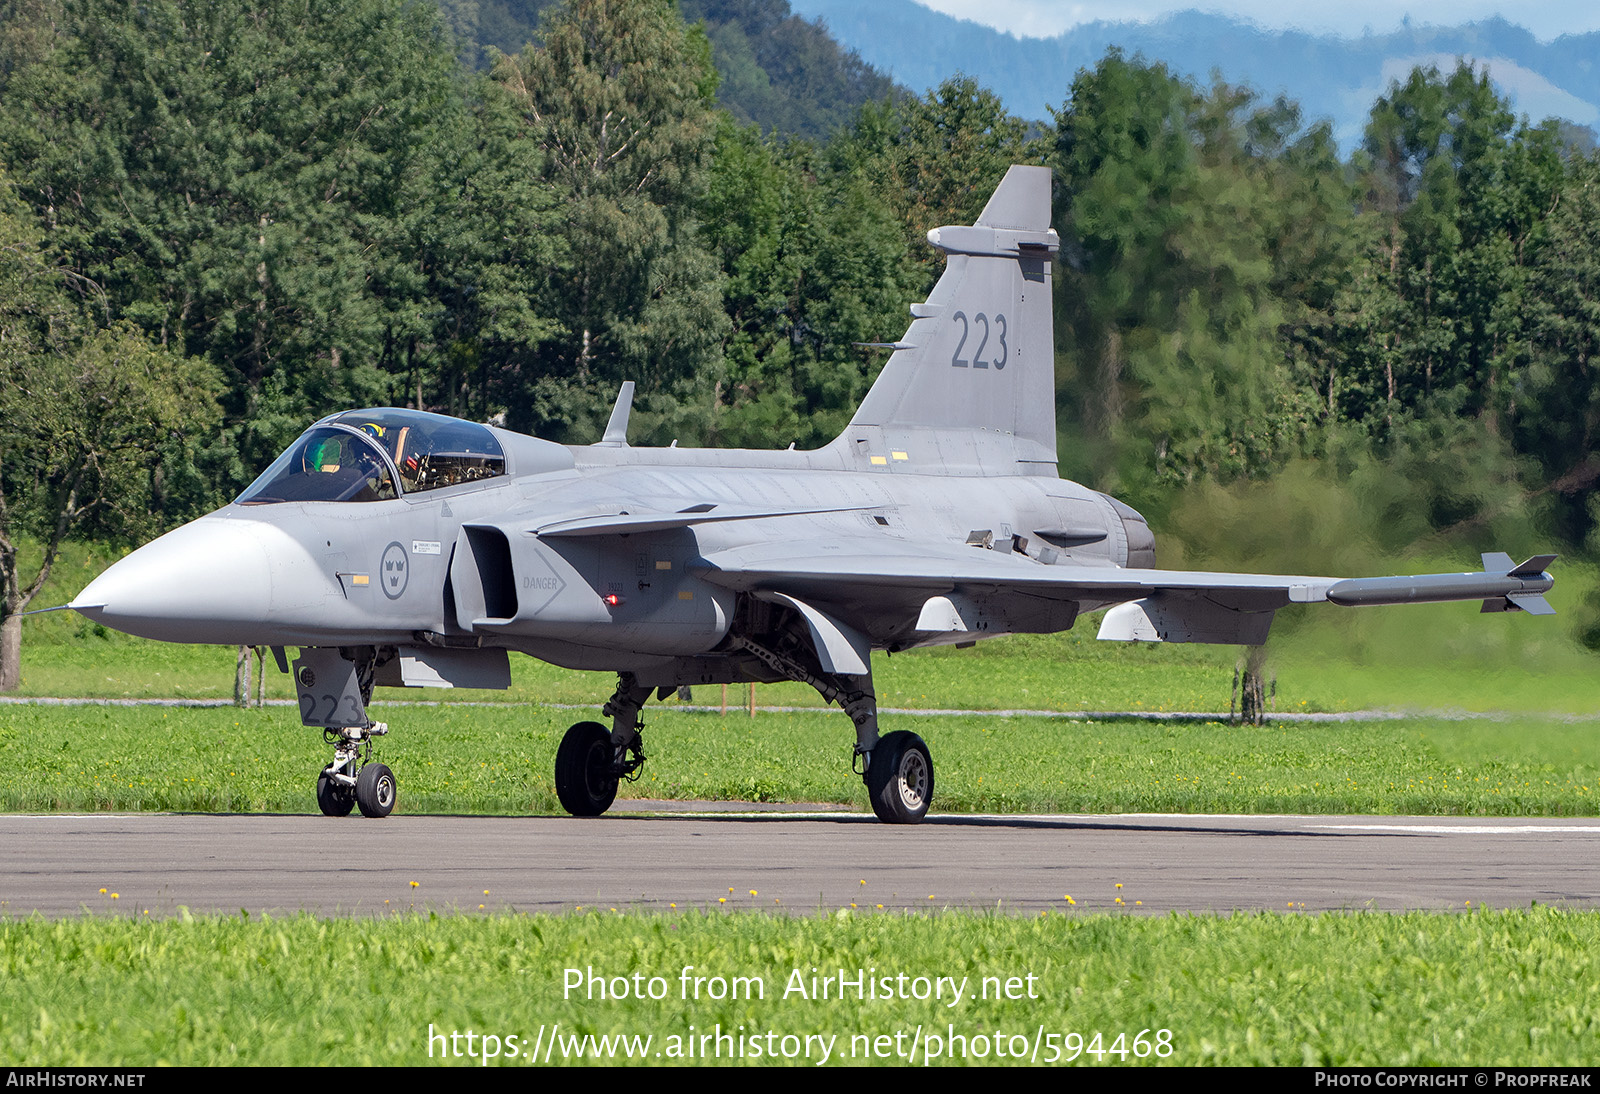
(1501, 586)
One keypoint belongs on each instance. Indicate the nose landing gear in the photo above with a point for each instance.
(334, 691)
(352, 780)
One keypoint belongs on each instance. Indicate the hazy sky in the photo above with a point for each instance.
(1547, 19)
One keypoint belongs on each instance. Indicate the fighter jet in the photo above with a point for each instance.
(397, 548)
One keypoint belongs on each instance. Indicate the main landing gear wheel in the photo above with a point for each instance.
(900, 778)
(375, 791)
(586, 770)
(334, 799)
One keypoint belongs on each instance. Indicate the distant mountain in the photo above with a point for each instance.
(1336, 78)
(783, 72)
(778, 71)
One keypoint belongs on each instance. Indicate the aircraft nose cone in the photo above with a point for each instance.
(204, 582)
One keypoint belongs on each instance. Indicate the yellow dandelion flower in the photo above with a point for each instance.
(722, 900)
(414, 884)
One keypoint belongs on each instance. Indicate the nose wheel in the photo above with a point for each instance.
(334, 687)
(352, 781)
(375, 791)
(333, 798)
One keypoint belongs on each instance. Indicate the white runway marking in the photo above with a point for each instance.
(1470, 829)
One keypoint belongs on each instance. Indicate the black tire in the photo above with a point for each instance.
(333, 799)
(375, 791)
(900, 778)
(586, 778)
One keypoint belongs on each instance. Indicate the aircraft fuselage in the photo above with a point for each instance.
(379, 572)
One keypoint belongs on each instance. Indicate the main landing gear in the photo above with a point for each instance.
(899, 778)
(592, 762)
(897, 767)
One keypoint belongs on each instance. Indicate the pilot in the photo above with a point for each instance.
(402, 449)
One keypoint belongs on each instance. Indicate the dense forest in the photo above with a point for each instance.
(220, 221)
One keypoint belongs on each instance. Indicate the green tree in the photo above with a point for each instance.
(483, 245)
(782, 73)
(620, 99)
(1559, 420)
(935, 159)
(245, 180)
(85, 415)
(816, 263)
(1462, 193)
(1180, 274)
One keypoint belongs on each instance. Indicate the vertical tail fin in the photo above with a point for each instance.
(970, 389)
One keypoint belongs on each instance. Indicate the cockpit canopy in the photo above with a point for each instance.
(362, 455)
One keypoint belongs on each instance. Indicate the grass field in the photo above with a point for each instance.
(1480, 988)
(498, 759)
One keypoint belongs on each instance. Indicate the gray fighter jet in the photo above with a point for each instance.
(404, 549)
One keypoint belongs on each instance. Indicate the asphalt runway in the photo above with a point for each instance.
(797, 862)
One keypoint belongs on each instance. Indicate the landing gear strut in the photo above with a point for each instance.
(897, 767)
(591, 762)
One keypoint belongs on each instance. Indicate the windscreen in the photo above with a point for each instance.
(326, 464)
(431, 451)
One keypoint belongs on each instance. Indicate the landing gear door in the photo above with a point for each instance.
(330, 694)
